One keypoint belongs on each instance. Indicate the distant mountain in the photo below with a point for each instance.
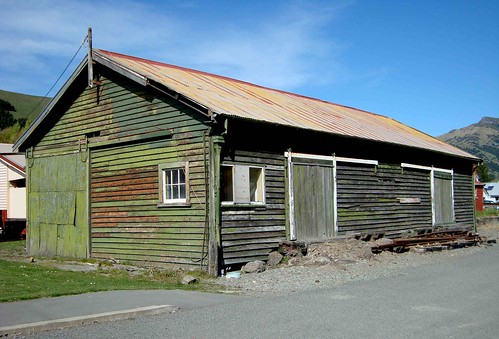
(25, 104)
(480, 139)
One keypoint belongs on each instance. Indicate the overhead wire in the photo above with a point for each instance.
(60, 76)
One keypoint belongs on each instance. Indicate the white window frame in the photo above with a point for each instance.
(245, 186)
(169, 168)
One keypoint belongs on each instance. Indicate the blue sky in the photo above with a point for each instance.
(433, 65)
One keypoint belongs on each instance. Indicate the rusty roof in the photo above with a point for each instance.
(231, 97)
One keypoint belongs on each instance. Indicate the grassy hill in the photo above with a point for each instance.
(27, 106)
(480, 139)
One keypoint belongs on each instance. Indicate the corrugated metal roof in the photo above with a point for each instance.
(232, 97)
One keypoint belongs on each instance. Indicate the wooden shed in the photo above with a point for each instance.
(158, 164)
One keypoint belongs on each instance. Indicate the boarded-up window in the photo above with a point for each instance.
(242, 184)
(443, 198)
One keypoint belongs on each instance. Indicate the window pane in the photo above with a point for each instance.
(169, 177)
(175, 192)
(168, 190)
(175, 176)
(182, 192)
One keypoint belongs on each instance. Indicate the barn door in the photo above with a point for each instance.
(311, 192)
(443, 198)
(57, 200)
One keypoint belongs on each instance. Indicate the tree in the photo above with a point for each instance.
(6, 117)
(483, 172)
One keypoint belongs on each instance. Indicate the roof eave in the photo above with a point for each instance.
(12, 165)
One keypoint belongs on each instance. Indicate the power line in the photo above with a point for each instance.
(60, 76)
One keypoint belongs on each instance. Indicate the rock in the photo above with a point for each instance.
(383, 241)
(418, 249)
(368, 253)
(317, 261)
(274, 259)
(294, 253)
(256, 266)
(292, 248)
(295, 261)
(189, 279)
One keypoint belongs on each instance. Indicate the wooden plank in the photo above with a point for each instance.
(259, 226)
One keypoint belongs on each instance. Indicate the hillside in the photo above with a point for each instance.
(480, 139)
(24, 104)
(28, 107)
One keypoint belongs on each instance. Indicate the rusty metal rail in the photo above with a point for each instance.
(442, 239)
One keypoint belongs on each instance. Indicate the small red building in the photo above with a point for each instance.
(478, 194)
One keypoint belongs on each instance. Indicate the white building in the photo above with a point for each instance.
(12, 186)
(491, 192)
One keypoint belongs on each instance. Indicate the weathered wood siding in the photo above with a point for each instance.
(126, 132)
(250, 233)
(126, 221)
(464, 200)
(369, 198)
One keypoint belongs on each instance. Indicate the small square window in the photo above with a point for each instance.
(174, 183)
(242, 184)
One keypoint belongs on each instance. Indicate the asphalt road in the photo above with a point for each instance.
(456, 299)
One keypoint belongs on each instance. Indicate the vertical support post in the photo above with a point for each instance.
(216, 143)
(335, 197)
(452, 196)
(432, 190)
(292, 226)
(29, 164)
(89, 59)
(473, 185)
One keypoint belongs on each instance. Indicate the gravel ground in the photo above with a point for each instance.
(340, 262)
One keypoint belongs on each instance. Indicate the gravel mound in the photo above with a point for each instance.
(337, 262)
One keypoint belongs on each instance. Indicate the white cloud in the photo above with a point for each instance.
(285, 47)
(286, 50)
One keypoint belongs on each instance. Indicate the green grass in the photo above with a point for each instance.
(488, 212)
(17, 247)
(20, 280)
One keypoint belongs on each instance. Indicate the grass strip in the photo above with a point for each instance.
(20, 281)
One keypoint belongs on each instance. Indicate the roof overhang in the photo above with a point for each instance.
(12, 165)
